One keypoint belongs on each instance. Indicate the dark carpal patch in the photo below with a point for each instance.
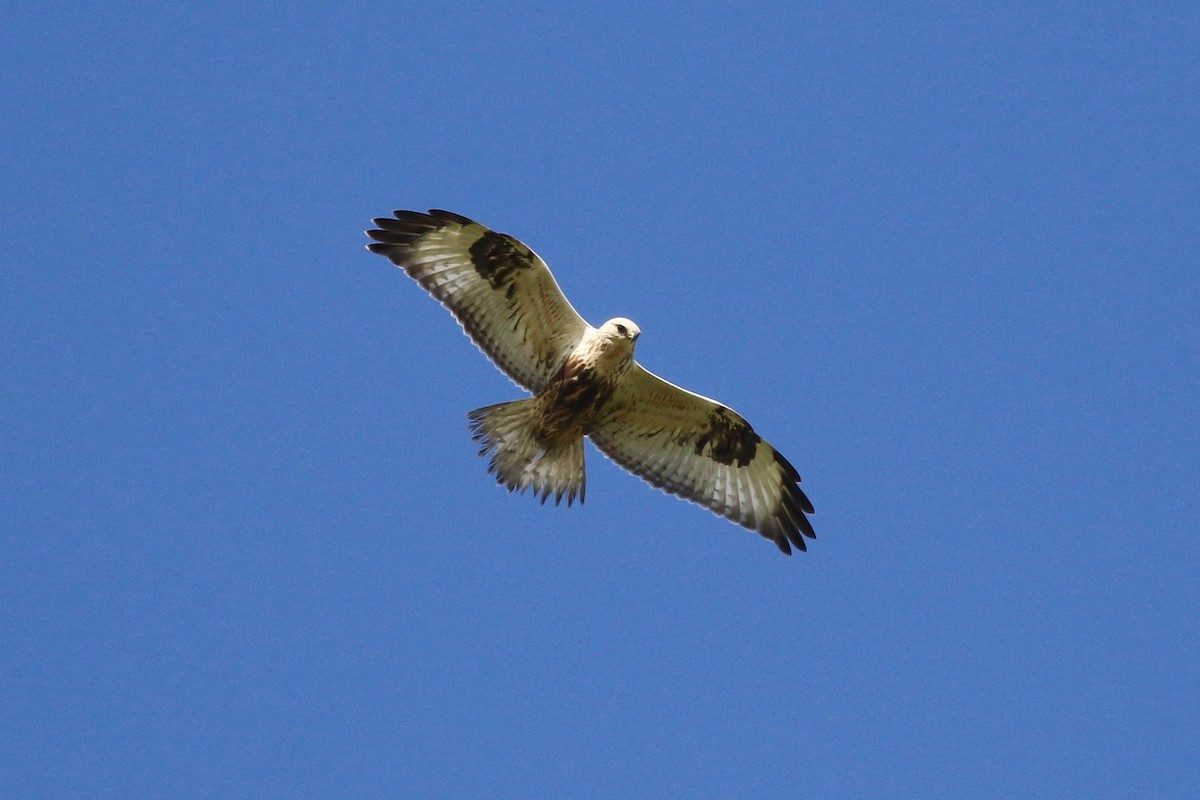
(733, 440)
(498, 256)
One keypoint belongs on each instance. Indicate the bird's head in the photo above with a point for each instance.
(618, 336)
(621, 328)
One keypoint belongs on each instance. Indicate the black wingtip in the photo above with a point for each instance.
(450, 216)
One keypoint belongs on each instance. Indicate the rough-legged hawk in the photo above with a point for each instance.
(585, 383)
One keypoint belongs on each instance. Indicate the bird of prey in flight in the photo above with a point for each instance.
(586, 383)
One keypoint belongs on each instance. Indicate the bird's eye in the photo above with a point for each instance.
(621, 329)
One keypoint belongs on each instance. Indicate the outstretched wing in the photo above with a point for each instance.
(700, 450)
(498, 289)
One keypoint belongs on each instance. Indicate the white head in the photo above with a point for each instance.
(621, 328)
(614, 340)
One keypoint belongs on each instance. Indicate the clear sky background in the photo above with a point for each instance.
(945, 257)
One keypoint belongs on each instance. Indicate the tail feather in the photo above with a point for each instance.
(522, 458)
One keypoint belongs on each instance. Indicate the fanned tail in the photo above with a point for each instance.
(522, 458)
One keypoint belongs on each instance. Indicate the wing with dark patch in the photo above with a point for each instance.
(700, 450)
(498, 289)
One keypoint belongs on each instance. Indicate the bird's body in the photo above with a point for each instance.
(586, 383)
(538, 443)
(588, 377)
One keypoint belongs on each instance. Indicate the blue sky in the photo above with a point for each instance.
(944, 257)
